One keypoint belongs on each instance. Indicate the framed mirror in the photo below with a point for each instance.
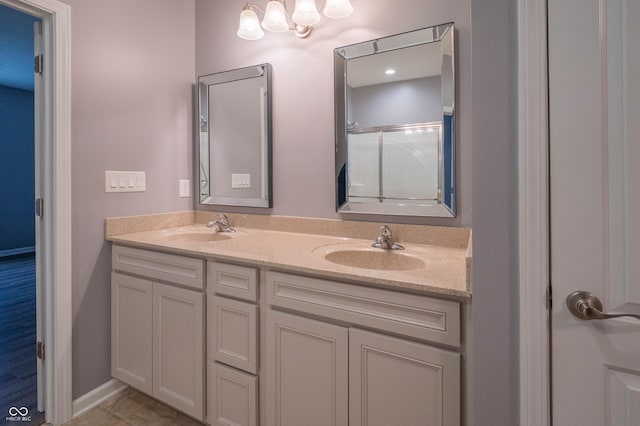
(395, 122)
(234, 153)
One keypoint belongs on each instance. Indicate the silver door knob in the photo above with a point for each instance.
(586, 306)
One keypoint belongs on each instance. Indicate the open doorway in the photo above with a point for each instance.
(52, 100)
(18, 301)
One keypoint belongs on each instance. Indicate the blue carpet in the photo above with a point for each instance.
(18, 382)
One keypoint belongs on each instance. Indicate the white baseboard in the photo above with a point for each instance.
(93, 398)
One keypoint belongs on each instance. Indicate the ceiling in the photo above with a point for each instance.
(16, 48)
(424, 60)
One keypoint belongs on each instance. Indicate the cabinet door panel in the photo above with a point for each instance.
(232, 329)
(131, 331)
(398, 382)
(232, 396)
(178, 342)
(307, 371)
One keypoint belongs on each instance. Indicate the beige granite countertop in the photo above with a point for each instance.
(443, 267)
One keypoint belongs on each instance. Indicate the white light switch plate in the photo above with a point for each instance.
(124, 181)
(240, 181)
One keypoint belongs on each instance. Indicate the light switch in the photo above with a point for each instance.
(124, 181)
(240, 181)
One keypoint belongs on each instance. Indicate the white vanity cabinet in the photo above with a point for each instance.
(330, 371)
(232, 344)
(157, 326)
(282, 349)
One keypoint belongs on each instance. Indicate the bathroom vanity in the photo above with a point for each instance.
(269, 327)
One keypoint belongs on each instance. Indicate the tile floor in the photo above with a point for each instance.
(131, 407)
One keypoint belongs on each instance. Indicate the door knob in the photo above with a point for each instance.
(586, 306)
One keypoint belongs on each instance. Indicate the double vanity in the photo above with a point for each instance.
(292, 321)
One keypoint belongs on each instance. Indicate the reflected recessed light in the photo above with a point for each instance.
(390, 71)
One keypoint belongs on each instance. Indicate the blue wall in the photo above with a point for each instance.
(17, 178)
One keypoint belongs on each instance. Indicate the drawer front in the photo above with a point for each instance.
(232, 396)
(411, 315)
(233, 280)
(232, 333)
(171, 268)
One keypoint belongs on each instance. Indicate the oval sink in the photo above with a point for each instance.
(197, 236)
(383, 260)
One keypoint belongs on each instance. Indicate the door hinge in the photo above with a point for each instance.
(38, 63)
(39, 207)
(40, 350)
(549, 297)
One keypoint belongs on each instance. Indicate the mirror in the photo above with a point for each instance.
(395, 121)
(235, 137)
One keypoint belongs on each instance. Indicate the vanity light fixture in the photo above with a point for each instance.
(390, 71)
(277, 18)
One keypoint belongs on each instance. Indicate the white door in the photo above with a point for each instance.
(594, 101)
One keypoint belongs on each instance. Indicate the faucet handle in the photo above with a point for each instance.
(224, 220)
(385, 231)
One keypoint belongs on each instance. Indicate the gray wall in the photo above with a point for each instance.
(303, 114)
(495, 183)
(132, 76)
(401, 102)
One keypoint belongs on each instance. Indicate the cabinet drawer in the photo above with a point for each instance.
(232, 332)
(232, 396)
(233, 280)
(412, 315)
(159, 266)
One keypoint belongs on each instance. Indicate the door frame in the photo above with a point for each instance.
(533, 214)
(56, 192)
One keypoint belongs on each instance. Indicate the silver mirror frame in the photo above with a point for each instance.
(203, 154)
(445, 205)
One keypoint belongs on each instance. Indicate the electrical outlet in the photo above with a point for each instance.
(185, 188)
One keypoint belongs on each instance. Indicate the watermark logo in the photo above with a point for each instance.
(18, 414)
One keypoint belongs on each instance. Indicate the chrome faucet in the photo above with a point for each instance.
(222, 223)
(385, 240)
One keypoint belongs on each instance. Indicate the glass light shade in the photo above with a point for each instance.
(338, 9)
(274, 17)
(306, 13)
(249, 26)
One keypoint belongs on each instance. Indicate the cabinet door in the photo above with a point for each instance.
(232, 333)
(398, 382)
(307, 371)
(232, 396)
(131, 331)
(178, 364)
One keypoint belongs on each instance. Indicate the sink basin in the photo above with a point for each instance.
(197, 236)
(372, 258)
